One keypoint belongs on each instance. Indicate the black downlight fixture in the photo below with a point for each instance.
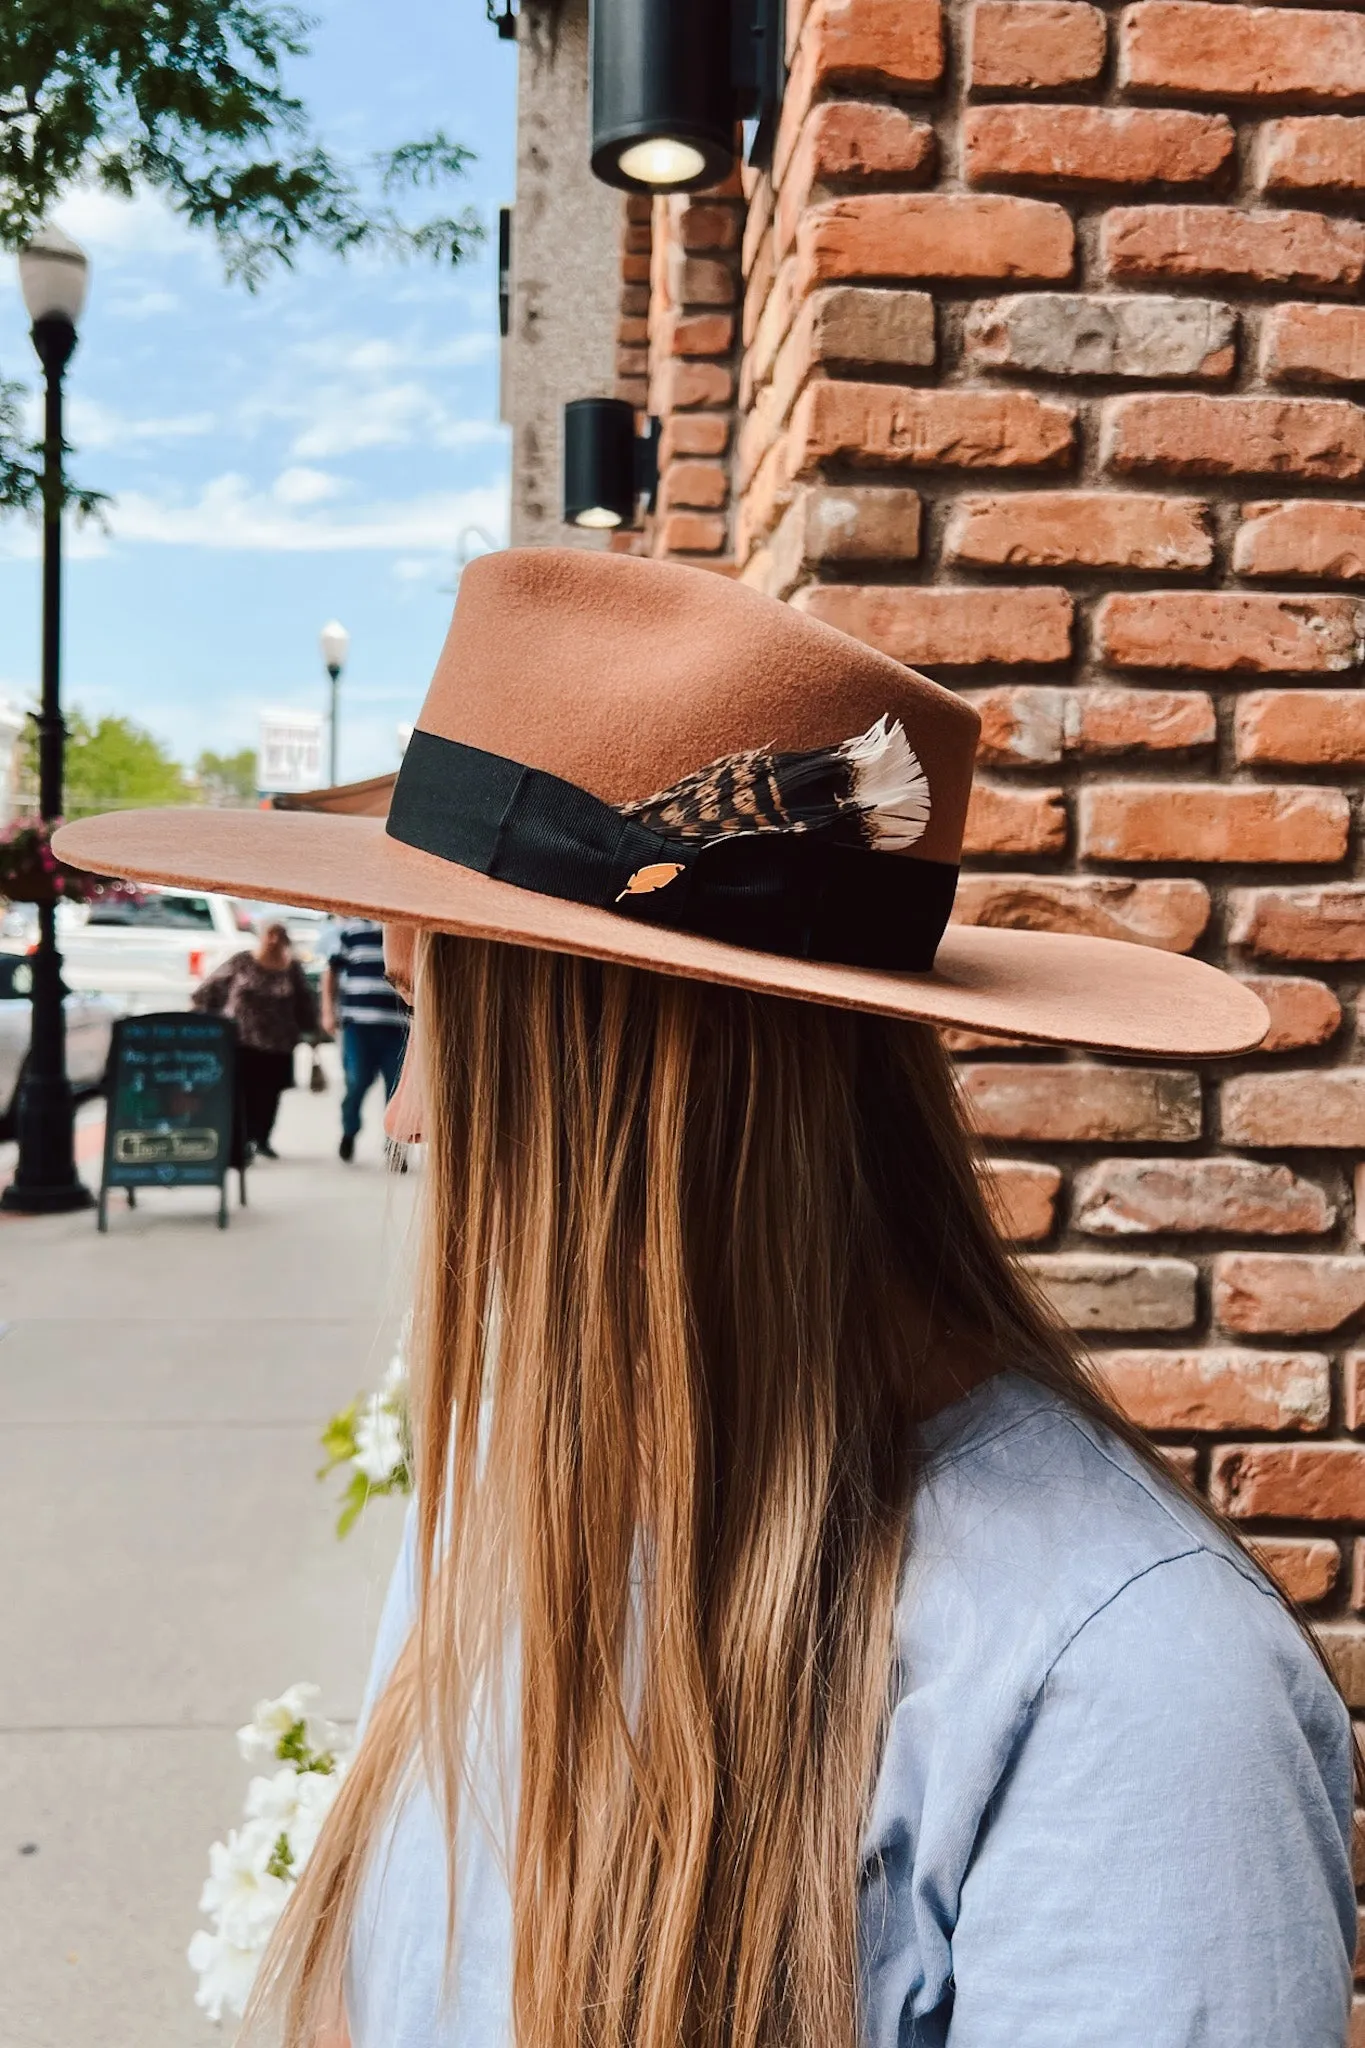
(672, 80)
(608, 467)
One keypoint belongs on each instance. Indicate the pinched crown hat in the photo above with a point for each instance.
(651, 764)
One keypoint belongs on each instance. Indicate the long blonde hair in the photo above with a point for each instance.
(685, 1249)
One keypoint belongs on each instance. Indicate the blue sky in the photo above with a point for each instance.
(316, 450)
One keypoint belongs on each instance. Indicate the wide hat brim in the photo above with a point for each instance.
(1055, 988)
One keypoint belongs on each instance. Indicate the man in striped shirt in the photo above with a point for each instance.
(372, 1016)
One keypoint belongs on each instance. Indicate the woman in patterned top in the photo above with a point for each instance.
(267, 996)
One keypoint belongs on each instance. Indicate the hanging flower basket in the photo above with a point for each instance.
(30, 871)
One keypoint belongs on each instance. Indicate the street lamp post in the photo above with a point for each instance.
(52, 275)
(335, 642)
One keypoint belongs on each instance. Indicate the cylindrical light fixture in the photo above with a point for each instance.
(663, 104)
(53, 274)
(600, 487)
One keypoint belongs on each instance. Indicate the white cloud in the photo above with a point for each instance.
(229, 514)
(301, 486)
(144, 305)
(106, 225)
(98, 426)
(341, 420)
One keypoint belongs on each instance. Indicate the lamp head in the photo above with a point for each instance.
(335, 642)
(53, 274)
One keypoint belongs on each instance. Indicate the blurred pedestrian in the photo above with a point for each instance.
(371, 1017)
(267, 996)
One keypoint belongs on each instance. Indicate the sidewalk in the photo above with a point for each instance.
(166, 1555)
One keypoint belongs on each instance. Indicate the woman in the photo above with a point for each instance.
(792, 1647)
(266, 994)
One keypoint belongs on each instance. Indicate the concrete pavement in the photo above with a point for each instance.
(166, 1555)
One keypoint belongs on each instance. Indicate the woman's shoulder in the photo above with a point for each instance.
(1031, 1519)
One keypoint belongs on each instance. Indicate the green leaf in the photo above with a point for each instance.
(354, 1499)
(338, 1439)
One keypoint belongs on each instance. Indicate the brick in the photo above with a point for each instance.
(1095, 146)
(946, 625)
(1192, 822)
(1021, 723)
(1023, 1196)
(1183, 1461)
(1228, 632)
(1093, 334)
(692, 533)
(868, 326)
(1169, 914)
(1265, 1292)
(1307, 537)
(700, 486)
(708, 224)
(1030, 45)
(701, 280)
(1314, 344)
(1318, 153)
(1290, 1482)
(1237, 1197)
(1302, 1012)
(825, 524)
(693, 434)
(1080, 530)
(1353, 1379)
(1325, 1107)
(703, 334)
(1221, 52)
(889, 426)
(1225, 245)
(1307, 1567)
(852, 142)
(878, 42)
(1218, 1389)
(934, 235)
(685, 386)
(1326, 923)
(1345, 1648)
(1084, 1105)
(1095, 1293)
(1302, 728)
(1110, 721)
(1189, 434)
(1003, 819)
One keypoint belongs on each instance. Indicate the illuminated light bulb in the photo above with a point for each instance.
(598, 516)
(662, 160)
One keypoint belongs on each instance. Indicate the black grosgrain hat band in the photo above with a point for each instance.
(795, 893)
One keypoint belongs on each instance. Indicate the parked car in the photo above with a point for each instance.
(89, 1023)
(152, 948)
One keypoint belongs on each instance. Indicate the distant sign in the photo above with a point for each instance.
(172, 1096)
(290, 753)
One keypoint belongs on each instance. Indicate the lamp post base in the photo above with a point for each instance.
(45, 1180)
(49, 1201)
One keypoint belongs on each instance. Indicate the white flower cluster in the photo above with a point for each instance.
(252, 1873)
(369, 1444)
(380, 1452)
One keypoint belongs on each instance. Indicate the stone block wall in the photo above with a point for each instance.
(1051, 384)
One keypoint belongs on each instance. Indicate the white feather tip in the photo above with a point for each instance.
(889, 786)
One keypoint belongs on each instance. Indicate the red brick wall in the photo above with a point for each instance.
(1052, 354)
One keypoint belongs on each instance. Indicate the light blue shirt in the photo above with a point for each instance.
(1114, 1805)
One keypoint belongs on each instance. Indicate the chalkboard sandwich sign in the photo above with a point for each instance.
(171, 1117)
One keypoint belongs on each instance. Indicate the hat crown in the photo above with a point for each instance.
(625, 675)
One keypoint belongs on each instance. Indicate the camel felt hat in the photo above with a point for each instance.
(651, 764)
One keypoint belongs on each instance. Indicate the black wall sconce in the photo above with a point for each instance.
(504, 271)
(608, 467)
(505, 23)
(671, 81)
